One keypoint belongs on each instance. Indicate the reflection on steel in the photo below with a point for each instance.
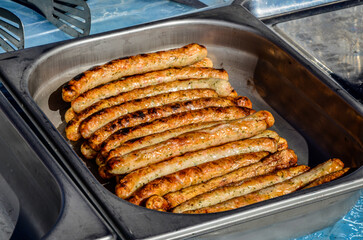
(333, 41)
(266, 8)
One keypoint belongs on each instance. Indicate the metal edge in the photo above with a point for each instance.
(67, 187)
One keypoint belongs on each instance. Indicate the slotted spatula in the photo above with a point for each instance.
(71, 16)
(11, 31)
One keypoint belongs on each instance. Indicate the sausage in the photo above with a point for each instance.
(282, 144)
(191, 141)
(147, 81)
(205, 62)
(150, 140)
(148, 115)
(278, 160)
(107, 119)
(222, 88)
(268, 134)
(157, 203)
(132, 65)
(136, 179)
(276, 190)
(107, 115)
(327, 178)
(194, 175)
(69, 115)
(239, 188)
(176, 120)
(145, 141)
(87, 151)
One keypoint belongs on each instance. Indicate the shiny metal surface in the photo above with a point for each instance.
(334, 42)
(269, 8)
(37, 199)
(9, 209)
(261, 66)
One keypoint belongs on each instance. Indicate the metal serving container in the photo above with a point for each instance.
(318, 119)
(37, 198)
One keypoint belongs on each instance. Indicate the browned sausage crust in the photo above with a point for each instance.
(194, 175)
(276, 190)
(128, 66)
(222, 88)
(176, 120)
(205, 62)
(136, 179)
(138, 143)
(192, 141)
(278, 160)
(87, 151)
(327, 178)
(152, 139)
(148, 115)
(96, 121)
(239, 188)
(69, 115)
(156, 202)
(147, 81)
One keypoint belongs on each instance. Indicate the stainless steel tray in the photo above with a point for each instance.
(316, 120)
(37, 198)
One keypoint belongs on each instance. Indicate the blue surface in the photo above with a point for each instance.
(350, 227)
(115, 14)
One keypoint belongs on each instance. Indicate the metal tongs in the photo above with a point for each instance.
(70, 16)
(11, 31)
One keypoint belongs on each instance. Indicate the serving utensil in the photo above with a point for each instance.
(70, 16)
(11, 31)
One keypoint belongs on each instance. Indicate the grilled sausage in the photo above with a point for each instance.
(222, 87)
(69, 115)
(194, 175)
(156, 202)
(278, 160)
(177, 120)
(128, 66)
(145, 141)
(107, 115)
(191, 141)
(327, 178)
(148, 115)
(282, 144)
(147, 81)
(205, 62)
(150, 140)
(276, 190)
(87, 151)
(267, 133)
(136, 179)
(239, 188)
